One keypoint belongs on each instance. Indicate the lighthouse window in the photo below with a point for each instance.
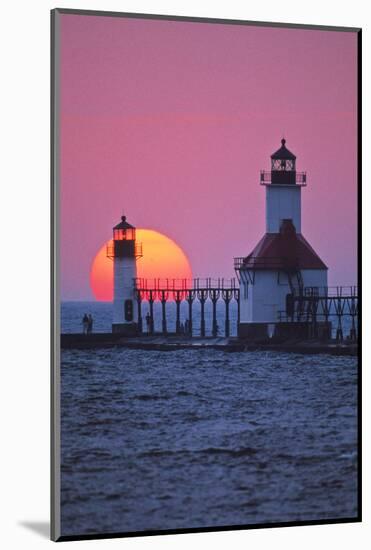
(130, 236)
(124, 234)
(128, 310)
(283, 165)
(118, 234)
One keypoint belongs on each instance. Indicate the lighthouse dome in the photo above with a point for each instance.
(124, 224)
(283, 153)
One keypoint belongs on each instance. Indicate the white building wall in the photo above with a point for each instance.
(268, 297)
(282, 202)
(245, 302)
(264, 299)
(124, 273)
(314, 277)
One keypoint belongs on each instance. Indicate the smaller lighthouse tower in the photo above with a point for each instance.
(124, 252)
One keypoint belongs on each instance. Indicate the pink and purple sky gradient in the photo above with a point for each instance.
(171, 122)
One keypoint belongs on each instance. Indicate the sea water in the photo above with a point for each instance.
(155, 440)
(73, 312)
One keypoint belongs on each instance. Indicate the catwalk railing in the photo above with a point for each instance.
(333, 309)
(337, 305)
(189, 291)
(298, 178)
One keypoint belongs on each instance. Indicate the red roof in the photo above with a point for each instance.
(284, 250)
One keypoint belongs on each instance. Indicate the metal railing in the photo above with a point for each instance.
(266, 178)
(189, 291)
(335, 307)
(273, 262)
(350, 291)
(138, 250)
(110, 250)
(185, 284)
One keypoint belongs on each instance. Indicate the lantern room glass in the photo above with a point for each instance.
(124, 234)
(283, 165)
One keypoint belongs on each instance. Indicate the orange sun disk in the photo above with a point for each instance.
(162, 259)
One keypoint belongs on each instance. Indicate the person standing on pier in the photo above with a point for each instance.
(90, 323)
(85, 324)
(148, 321)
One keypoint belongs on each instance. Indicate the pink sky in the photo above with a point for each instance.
(171, 122)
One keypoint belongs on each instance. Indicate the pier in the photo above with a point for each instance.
(189, 291)
(316, 320)
(174, 343)
(311, 312)
(329, 308)
(279, 298)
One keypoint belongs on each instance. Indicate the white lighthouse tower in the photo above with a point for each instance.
(282, 264)
(124, 251)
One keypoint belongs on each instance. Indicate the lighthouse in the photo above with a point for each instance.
(124, 252)
(283, 264)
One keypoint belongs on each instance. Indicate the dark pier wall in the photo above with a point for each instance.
(256, 332)
(174, 343)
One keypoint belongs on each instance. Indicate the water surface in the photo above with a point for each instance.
(186, 439)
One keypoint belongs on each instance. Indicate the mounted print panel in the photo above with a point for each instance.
(205, 192)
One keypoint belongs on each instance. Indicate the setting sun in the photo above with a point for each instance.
(162, 258)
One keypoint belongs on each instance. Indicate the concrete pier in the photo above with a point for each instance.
(173, 343)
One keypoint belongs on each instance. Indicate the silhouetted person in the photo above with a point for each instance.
(90, 323)
(85, 324)
(186, 326)
(148, 321)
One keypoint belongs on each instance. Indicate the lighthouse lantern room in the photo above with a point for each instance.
(283, 263)
(124, 251)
